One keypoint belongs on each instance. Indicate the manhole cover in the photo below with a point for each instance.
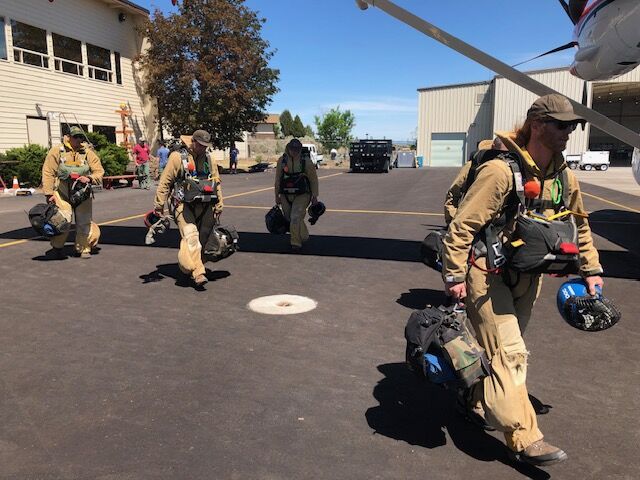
(282, 304)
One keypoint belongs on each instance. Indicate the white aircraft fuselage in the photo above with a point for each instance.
(608, 38)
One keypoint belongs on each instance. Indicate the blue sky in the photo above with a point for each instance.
(330, 53)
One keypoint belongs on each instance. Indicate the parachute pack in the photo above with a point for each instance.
(442, 348)
(48, 220)
(222, 243)
(539, 244)
(294, 183)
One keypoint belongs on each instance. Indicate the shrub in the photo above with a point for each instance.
(114, 159)
(98, 140)
(28, 164)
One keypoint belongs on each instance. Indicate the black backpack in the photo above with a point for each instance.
(442, 348)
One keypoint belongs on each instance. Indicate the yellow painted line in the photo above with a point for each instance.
(610, 202)
(375, 212)
(124, 219)
(227, 197)
(17, 242)
(133, 217)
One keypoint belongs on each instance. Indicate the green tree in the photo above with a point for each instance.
(286, 121)
(277, 130)
(308, 131)
(208, 67)
(298, 127)
(334, 128)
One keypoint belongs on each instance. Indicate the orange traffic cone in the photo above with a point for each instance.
(16, 185)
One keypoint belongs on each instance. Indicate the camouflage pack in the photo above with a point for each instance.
(442, 347)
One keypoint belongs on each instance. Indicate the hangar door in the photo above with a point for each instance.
(447, 149)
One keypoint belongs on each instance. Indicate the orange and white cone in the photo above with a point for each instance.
(16, 184)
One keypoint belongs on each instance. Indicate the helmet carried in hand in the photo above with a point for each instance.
(315, 211)
(591, 313)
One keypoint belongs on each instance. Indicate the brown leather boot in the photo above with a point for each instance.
(200, 280)
(541, 454)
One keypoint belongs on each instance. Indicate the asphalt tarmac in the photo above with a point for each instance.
(112, 368)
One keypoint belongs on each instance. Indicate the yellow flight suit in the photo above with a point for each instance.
(55, 183)
(500, 311)
(294, 207)
(194, 221)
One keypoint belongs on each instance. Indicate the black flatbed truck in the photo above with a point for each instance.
(371, 155)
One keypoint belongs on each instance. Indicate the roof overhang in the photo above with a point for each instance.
(127, 6)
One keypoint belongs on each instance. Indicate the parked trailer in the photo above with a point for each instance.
(589, 161)
(406, 160)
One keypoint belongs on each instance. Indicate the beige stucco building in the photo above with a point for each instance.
(70, 61)
(453, 118)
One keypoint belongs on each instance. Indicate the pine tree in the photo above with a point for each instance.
(286, 122)
(298, 127)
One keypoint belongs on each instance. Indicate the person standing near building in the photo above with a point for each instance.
(141, 152)
(163, 157)
(190, 185)
(233, 159)
(68, 167)
(296, 186)
(499, 304)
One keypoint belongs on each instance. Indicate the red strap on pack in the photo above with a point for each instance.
(207, 189)
(568, 248)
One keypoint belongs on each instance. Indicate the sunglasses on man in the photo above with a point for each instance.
(564, 125)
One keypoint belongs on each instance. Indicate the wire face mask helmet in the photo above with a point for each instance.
(80, 192)
(591, 313)
(156, 224)
(315, 211)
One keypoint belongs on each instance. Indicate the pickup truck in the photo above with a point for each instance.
(316, 158)
(371, 155)
(589, 161)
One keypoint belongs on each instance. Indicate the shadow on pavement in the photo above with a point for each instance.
(171, 270)
(256, 242)
(622, 228)
(419, 298)
(419, 413)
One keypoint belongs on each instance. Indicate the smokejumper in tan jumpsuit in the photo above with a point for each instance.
(294, 207)
(61, 161)
(194, 219)
(500, 312)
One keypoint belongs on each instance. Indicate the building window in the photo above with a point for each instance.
(99, 60)
(116, 56)
(3, 41)
(109, 132)
(29, 44)
(67, 54)
(480, 98)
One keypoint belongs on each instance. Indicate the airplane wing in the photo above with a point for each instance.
(596, 119)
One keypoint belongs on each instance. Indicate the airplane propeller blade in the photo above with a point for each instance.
(565, 6)
(596, 119)
(566, 46)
